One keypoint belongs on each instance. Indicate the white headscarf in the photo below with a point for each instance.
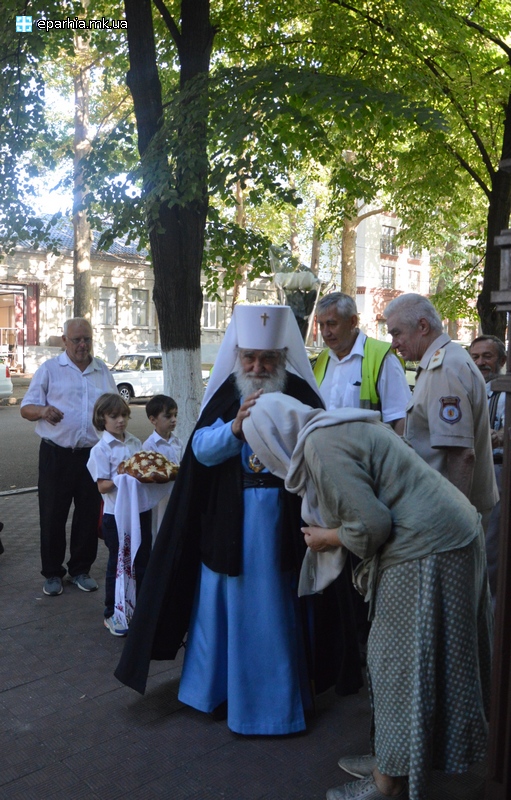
(276, 430)
(296, 354)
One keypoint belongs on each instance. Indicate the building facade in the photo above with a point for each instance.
(385, 270)
(37, 296)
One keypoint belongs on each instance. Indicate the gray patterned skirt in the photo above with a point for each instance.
(429, 664)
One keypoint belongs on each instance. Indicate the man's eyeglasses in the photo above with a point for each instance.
(78, 339)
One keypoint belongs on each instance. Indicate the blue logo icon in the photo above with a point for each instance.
(24, 24)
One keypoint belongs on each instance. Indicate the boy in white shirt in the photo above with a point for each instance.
(161, 411)
(111, 414)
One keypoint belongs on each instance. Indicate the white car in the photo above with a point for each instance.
(5, 380)
(138, 375)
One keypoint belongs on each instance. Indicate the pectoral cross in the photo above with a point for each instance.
(264, 317)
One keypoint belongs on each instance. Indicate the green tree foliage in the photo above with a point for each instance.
(455, 57)
(265, 123)
(22, 126)
(35, 139)
(420, 93)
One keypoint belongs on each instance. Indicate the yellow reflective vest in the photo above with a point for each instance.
(374, 354)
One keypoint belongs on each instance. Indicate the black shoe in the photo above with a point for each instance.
(1, 546)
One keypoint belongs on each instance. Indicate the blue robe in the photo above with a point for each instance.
(203, 525)
(245, 641)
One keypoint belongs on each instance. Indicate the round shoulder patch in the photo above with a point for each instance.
(450, 410)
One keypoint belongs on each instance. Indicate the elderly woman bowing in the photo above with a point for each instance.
(423, 575)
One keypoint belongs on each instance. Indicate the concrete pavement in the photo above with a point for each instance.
(69, 730)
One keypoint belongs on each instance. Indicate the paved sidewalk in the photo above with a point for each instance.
(70, 731)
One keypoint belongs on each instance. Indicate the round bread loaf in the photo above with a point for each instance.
(149, 467)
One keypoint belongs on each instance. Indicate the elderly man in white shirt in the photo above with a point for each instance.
(60, 400)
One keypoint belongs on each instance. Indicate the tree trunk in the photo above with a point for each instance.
(493, 321)
(239, 290)
(177, 242)
(315, 254)
(81, 227)
(294, 244)
(349, 257)
(316, 241)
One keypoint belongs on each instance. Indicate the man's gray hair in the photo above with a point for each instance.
(69, 322)
(344, 304)
(499, 344)
(411, 308)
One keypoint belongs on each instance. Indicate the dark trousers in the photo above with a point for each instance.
(64, 479)
(111, 539)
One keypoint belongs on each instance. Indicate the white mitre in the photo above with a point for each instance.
(258, 327)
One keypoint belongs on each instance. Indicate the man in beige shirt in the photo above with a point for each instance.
(447, 417)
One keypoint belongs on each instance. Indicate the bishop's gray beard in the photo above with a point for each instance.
(248, 383)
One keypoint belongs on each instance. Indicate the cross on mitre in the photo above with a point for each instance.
(261, 327)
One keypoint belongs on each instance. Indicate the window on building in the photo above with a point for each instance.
(414, 280)
(107, 306)
(387, 240)
(415, 250)
(139, 307)
(69, 304)
(387, 277)
(209, 313)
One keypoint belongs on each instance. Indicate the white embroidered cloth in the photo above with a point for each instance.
(133, 498)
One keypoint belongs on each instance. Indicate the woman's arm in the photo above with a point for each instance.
(346, 493)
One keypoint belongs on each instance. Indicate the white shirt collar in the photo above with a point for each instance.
(65, 361)
(160, 439)
(356, 350)
(112, 441)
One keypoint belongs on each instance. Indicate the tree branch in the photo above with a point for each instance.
(466, 166)
(430, 64)
(168, 20)
(446, 89)
(362, 217)
(110, 113)
(503, 46)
